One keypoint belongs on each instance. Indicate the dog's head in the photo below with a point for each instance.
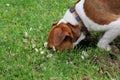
(62, 36)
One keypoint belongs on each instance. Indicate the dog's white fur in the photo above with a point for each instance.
(111, 30)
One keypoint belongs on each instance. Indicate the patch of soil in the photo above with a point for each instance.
(109, 65)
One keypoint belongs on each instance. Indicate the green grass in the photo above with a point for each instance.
(24, 26)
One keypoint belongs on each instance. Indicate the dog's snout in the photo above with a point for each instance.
(52, 48)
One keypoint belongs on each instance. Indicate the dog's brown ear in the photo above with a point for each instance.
(60, 35)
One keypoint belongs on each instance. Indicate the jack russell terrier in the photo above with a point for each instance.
(84, 17)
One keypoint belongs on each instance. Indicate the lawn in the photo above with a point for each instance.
(24, 26)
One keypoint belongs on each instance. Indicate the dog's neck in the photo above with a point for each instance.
(74, 19)
(69, 18)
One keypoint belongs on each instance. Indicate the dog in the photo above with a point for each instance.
(86, 16)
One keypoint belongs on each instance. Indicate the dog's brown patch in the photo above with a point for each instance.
(102, 11)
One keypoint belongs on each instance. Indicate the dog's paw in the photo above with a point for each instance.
(108, 48)
(103, 46)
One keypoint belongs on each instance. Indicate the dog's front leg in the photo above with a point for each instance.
(107, 38)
